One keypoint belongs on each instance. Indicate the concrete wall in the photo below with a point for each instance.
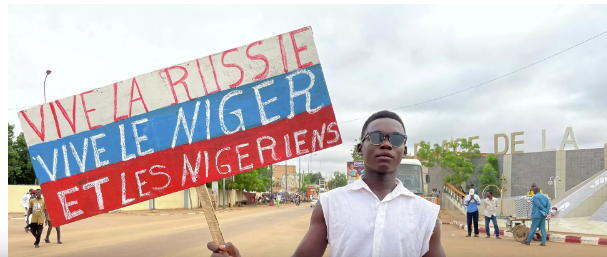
(582, 164)
(601, 213)
(15, 193)
(520, 170)
(436, 178)
(586, 200)
(532, 167)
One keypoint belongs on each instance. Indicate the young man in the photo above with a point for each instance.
(50, 227)
(531, 192)
(472, 201)
(434, 193)
(37, 209)
(25, 200)
(539, 212)
(475, 190)
(389, 220)
(490, 215)
(214, 200)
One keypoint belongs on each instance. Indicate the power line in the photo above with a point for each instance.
(20, 108)
(441, 97)
(486, 82)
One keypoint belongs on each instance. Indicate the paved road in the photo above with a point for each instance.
(264, 231)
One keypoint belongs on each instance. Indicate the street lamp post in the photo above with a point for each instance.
(48, 72)
(552, 181)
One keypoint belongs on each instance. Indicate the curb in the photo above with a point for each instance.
(585, 240)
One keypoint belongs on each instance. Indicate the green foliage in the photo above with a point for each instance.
(309, 179)
(490, 174)
(354, 152)
(250, 181)
(339, 180)
(20, 169)
(454, 157)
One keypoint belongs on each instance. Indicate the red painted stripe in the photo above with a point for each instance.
(573, 239)
(173, 160)
(602, 241)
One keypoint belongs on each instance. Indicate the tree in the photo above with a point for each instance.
(457, 163)
(250, 181)
(309, 179)
(339, 180)
(354, 152)
(20, 169)
(14, 165)
(28, 176)
(490, 174)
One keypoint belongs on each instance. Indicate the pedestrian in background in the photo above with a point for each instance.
(490, 215)
(37, 209)
(50, 227)
(472, 201)
(539, 212)
(25, 200)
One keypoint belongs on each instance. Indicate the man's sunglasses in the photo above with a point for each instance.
(377, 138)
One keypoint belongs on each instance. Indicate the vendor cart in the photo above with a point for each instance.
(516, 224)
(519, 229)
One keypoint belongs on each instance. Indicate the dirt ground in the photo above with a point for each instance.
(262, 231)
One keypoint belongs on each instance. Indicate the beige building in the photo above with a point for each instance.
(292, 178)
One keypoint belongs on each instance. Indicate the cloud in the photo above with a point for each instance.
(373, 57)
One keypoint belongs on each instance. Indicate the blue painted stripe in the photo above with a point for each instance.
(161, 123)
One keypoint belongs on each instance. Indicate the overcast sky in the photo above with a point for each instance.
(374, 58)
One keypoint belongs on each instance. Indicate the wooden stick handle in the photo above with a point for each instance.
(209, 214)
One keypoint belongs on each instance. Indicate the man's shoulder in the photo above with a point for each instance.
(336, 191)
(424, 204)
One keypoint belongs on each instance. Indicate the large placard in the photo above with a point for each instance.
(182, 126)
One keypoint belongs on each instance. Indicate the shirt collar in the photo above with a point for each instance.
(399, 190)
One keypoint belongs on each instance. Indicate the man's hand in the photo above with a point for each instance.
(219, 250)
(46, 223)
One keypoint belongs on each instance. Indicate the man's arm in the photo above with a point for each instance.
(24, 200)
(539, 203)
(313, 244)
(315, 241)
(436, 248)
(466, 200)
(29, 212)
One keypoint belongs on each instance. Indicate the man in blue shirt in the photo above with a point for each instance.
(472, 201)
(539, 211)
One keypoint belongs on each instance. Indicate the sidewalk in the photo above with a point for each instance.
(578, 239)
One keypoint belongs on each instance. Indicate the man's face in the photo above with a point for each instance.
(488, 195)
(383, 158)
(38, 194)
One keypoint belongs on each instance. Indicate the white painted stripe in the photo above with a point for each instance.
(557, 238)
(586, 240)
(157, 92)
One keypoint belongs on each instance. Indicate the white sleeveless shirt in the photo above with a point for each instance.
(359, 224)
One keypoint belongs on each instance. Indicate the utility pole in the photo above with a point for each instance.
(286, 182)
(272, 185)
(224, 193)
